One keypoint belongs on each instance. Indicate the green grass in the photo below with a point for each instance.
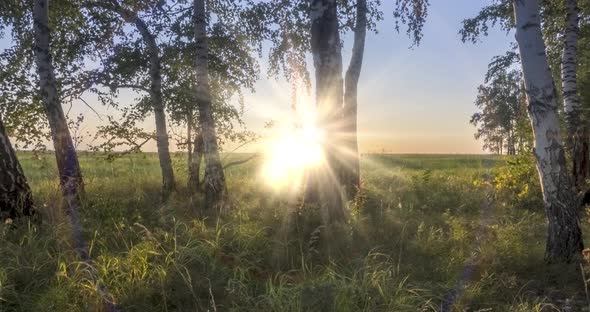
(426, 230)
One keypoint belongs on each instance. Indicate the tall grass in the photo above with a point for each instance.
(419, 239)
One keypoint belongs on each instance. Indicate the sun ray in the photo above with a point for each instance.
(290, 151)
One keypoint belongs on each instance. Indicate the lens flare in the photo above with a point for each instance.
(290, 151)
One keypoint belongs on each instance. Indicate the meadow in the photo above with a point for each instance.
(427, 233)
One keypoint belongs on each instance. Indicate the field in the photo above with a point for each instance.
(428, 233)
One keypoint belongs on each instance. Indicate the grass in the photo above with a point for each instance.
(428, 233)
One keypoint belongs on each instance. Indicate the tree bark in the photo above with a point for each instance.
(351, 169)
(70, 176)
(194, 182)
(155, 91)
(577, 136)
(214, 178)
(67, 160)
(324, 183)
(16, 199)
(564, 240)
(189, 139)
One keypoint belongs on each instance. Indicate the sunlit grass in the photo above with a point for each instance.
(416, 228)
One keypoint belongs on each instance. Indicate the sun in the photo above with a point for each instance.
(291, 150)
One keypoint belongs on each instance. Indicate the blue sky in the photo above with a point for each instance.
(416, 100)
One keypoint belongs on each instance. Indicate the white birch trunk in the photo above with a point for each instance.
(194, 182)
(324, 185)
(577, 142)
(67, 160)
(214, 178)
(569, 58)
(65, 154)
(564, 240)
(155, 91)
(168, 182)
(351, 168)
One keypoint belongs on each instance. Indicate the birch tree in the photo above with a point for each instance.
(327, 61)
(336, 98)
(214, 179)
(168, 183)
(564, 240)
(231, 65)
(578, 138)
(155, 88)
(67, 160)
(75, 37)
(16, 199)
(413, 13)
(195, 160)
(351, 168)
(561, 29)
(231, 68)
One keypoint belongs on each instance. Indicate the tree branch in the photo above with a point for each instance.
(126, 86)
(239, 162)
(86, 103)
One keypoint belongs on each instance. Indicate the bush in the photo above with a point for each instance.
(517, 184)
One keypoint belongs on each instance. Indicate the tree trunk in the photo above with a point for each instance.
(168, 183)
(189, 140)
(327, 59)
(351, 169)
(16, 199)
(564, 240)
(194, 182)
(67, 160)
(70, 176)
(214, 179)
(577, 135)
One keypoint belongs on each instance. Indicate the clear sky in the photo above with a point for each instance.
(415, 100)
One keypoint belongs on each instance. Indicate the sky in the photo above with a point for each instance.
(411, 100)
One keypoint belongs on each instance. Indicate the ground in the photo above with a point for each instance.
(427, 233)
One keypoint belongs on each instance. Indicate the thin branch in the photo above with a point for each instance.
(239, 162)
(69, 109)
(126, 86)
(97, 114)
(137, 147)
(239, 146)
